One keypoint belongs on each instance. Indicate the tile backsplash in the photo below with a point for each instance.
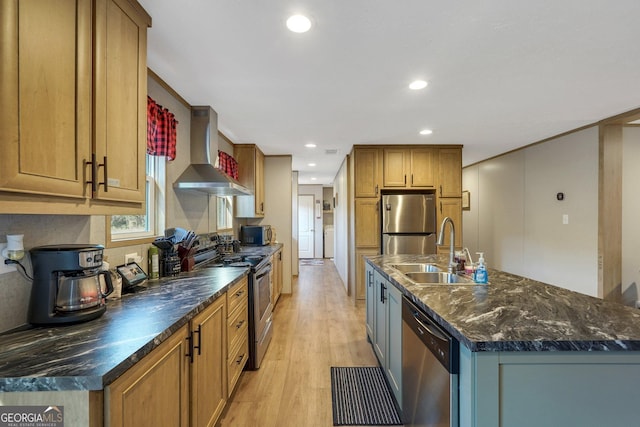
(38, 230)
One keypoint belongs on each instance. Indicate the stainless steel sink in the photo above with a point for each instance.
(437, 278)
(415, 267)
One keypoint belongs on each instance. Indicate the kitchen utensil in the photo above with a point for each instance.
(175, 235)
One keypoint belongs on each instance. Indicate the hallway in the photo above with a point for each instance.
(315, 327)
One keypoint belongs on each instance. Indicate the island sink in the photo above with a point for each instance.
(415, 267)
(431, 278)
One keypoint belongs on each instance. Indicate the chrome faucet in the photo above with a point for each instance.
(452, 238)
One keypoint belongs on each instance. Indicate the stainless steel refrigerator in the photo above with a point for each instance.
(408, 224)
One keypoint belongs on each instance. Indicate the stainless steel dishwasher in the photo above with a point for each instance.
(430, 366)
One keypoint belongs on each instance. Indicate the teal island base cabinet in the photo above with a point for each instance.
(384, 327)
(533, 389)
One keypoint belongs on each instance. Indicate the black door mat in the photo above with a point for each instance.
(361, 397)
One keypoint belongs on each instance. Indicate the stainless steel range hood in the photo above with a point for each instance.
(201, 174)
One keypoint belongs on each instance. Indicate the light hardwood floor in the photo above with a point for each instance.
(315, 327)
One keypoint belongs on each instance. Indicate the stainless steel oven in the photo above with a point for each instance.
(260, 314)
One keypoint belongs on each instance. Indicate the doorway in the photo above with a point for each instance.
(306, 241)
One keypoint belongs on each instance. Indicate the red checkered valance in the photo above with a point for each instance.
(161, 130)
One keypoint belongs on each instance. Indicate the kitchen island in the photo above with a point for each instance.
(532, 354)
(71, 365)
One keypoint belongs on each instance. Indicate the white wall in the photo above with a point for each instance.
(341, 224)
(517, 221)
(316, 192)
(630, 215)
(277, 200)
(295, 259)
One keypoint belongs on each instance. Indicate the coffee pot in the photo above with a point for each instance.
(66, 284)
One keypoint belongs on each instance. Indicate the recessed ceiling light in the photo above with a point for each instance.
(418, 84)
(312, 164)
(310, 145)
(426, 132)
(313, 179)
(298, 23)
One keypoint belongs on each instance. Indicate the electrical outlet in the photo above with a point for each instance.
(565, 219)
(3, 267)
(129, 258)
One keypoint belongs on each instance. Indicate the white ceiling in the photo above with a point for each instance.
(501, 73)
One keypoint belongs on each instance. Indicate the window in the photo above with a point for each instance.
(224, 213)
(125, 228)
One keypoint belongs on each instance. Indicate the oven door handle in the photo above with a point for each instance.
(263, 271)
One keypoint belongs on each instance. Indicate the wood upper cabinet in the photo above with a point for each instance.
(409, 167)
(120, 96)
(452, 208)
(251, 175)
(209, 367)
(366, 172)
(155, 391)
(45, 92)
(450, 172)
(73, 86)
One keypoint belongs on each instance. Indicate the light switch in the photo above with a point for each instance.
(565, 219)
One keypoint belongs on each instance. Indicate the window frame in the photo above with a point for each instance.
(155, 196)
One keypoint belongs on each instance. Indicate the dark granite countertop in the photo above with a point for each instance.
(91, 355)
(513, 313)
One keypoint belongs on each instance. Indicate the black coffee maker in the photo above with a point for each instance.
(66, 284)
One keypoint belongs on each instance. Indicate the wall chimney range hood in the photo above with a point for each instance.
(201, 175)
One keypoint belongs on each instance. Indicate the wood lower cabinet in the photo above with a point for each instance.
(183, 382)
(155, 391)
(361, 286)
(209, 367)
(237, 332)
(276, 277)
(73, 90)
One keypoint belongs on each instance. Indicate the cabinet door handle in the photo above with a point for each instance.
(239, 293)
(440, 190)
(441, 207)
(261, 207)
(405, 179)
(368, 278)
(382, 289)
(239, 324)
(199, 346)
(94, 173)
(105, 175)
(376, 189)
(190, 347)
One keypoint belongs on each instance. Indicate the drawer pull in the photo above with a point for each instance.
(239, 324)
(239, 359)
(239, 294)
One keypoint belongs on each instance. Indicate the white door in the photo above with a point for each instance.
(305, 226)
